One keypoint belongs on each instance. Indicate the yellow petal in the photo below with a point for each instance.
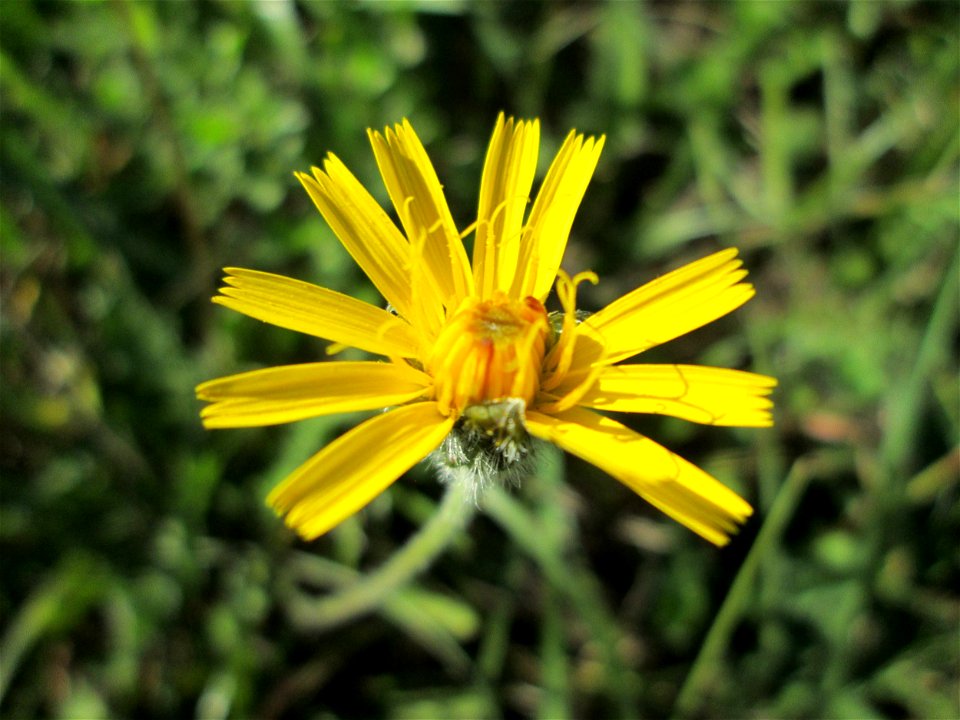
(681, 490)
(504, 192)
(418, 198)
(714, 396)
(369, 236)
(356, 467)
(548, 227)
(672, 305)
(295, 392)
(314, 310)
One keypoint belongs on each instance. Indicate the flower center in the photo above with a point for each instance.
(489, 350)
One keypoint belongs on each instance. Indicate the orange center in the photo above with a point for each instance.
(490, 350)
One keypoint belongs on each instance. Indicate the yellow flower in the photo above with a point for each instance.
(474, 366)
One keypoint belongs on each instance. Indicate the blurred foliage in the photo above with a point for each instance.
(147, 144)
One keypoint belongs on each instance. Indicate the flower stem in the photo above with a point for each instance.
(372, 590)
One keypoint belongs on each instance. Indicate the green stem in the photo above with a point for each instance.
(373, 589)
(78, 582)
(906, 404)
(707, 665)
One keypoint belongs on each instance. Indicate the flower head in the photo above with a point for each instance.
(473, 364)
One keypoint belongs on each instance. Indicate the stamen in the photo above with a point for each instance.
(572, 397)
(489, 351)
(561, 355)
(469, 229)
(533, 345)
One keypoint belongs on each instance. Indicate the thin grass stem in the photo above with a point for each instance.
(705, 669)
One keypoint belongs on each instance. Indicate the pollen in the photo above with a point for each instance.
(489, 351)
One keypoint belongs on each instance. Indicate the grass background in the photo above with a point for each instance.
(146, 145)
